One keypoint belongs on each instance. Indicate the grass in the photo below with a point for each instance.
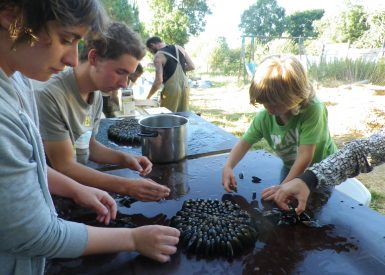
(377, 202)
(338, 71)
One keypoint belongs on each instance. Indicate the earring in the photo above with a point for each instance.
(32, 38)
(15, 31)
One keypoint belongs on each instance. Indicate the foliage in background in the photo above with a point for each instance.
(264, 18)
(300, 24)
(341, 71)
(196, 11)
(175, 21)
(168, 23)
(347, 26)
(283, 46)
(125, 11)
(224, 60)
(354, 23)
(374, 36)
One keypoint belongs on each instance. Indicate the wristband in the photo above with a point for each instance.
(310, 179)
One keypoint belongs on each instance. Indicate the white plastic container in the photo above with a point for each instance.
(128, 103)
(356, 190)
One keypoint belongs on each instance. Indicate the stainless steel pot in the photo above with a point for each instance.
(164, 137)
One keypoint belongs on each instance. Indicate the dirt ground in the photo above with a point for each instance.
(355, 111)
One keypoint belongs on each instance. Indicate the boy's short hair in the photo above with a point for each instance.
(281, 80)
(138, 72)
(119, 39)
(139, 69)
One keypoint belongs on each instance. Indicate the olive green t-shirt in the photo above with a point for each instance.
(63, 113)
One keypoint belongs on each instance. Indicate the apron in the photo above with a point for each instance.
(176, 90)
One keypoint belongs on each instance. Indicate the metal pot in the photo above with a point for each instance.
(164, 137)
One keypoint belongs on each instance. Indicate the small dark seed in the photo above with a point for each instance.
(255, 179)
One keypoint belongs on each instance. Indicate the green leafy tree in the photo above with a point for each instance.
(264, 18)
(354, 23)
(176, 20)
(347, 26)
(168, 23)
(219, 55)
(374, 36)
(196, 11)
(224, 60)
(125, 11)
(300, 24)
(328, 28)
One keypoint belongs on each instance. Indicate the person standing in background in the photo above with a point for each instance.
(171, 64)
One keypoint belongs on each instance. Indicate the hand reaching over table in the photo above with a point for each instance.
(228, 179)
(283, 194)
(138, 163)
(147, 190)
(155, 241)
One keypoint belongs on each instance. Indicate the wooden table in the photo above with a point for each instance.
(203, 139)
(350, 241)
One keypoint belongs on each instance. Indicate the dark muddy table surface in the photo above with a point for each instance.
(351, 239)
(203, 139)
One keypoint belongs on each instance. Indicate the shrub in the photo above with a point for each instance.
(345, 70)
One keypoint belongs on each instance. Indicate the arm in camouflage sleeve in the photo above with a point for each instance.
(358, 156)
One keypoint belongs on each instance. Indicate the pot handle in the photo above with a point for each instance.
(148, 134)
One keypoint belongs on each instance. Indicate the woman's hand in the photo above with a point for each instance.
(146, 190)
(99, 201)
(284, 194)
(155, 241)
(138, 163)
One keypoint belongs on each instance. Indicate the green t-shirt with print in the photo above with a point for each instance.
(310, 126)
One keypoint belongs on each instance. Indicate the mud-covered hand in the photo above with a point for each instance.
(155, 241)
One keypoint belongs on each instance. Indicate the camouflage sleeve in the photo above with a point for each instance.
(358, 156)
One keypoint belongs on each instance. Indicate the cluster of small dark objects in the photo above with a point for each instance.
(254, 179)
(281, 217)
(124, 200)
(211, 228)
(125, 132)
(278, 216)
